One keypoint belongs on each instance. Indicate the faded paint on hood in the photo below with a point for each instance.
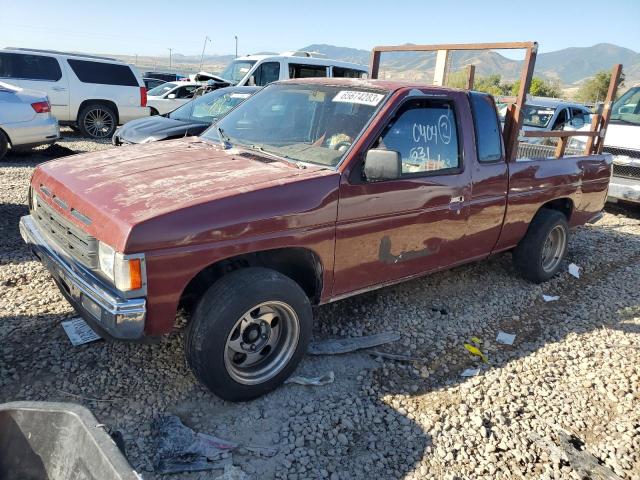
(123, 187)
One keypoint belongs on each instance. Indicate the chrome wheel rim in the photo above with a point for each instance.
(553, 248)
(98, 123)
(261, 343)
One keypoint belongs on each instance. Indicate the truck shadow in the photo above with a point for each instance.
(368, 422)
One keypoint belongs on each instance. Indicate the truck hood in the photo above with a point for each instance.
(114, 190)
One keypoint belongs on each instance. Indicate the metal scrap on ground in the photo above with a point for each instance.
(316, 381)
(180, 449)
(346, 345)
(79, 332)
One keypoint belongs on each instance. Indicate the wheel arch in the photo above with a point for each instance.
(97, 101)
(563, 205)
(302, 265)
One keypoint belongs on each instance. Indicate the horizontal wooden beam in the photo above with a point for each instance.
(558, 134)
(455, 46)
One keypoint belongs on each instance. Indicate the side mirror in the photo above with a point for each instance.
(381, 164)
(252, 81)
(171, 96)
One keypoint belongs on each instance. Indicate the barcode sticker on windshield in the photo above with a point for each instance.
(240, 95)
(363, 98)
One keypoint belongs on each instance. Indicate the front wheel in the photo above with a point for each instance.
(248, 333)
(540, 253)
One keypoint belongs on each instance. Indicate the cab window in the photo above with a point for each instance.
(487, 127)
(425, 134)
(266, 73)
(298, 70)
(348, 73)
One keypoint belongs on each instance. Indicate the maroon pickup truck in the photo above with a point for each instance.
(311, 191)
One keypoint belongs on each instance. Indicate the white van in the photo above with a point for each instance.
(263, 69)
(95, 94)
(622, 140)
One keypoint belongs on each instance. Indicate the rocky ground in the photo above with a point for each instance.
(574, 369)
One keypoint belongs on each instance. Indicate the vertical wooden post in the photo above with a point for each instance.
(562, 146)
(471, 73)
(442, 65)
(374, 66)
(513, 120)
(601, 122)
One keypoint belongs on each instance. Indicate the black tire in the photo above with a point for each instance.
(221, 315)
(530, 254)
(4, 144)
(153, 111)
(97, 121)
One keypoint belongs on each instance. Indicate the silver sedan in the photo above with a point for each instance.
(25, 119)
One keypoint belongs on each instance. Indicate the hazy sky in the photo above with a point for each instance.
(151, 27)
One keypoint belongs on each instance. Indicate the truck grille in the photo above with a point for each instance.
(628, 171)
(74, 241)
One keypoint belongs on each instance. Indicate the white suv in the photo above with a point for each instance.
(94, 94)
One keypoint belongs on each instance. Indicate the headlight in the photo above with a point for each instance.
(124, 271)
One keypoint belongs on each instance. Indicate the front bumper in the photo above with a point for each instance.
(98, 303)
(626, 189)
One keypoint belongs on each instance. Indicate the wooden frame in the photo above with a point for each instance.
(513, 118)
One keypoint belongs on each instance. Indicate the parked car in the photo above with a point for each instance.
(263, 69)
(150, 83)
(308, 192)
(170, 95)
(94, 94)
(192, 118)
(167, 77)
(549, 114)
(25, 119)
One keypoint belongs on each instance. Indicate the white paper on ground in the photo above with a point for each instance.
(505, 338)
(470, 372)
(79, 332)
(550, 298)
(574, 270)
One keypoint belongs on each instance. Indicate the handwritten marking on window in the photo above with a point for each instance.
(430, 133)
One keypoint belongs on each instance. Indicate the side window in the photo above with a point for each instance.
(5, 65)
(266, 73)
(579, 117)
(424, 132)
(487, 127)
(103, 73)
(297, 70)
(186, 91)
(561, 120)
(347, 73)
(34, 67)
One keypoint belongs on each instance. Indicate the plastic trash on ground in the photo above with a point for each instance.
(470, 372)
(550, 298)
(505, 338)
(473, 347)
(574, 270)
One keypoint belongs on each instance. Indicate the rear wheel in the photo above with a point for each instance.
(97, 121)
(4, 144)
(248, 333)
(540, 253)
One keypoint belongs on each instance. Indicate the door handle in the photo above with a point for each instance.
(456, 204)
(459, 199)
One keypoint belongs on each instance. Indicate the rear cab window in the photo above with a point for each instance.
(425, 134)
(29, 67)
(103, 73)
(487, 128)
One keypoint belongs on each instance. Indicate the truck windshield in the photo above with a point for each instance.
(537, 116)
(236, 70)
(306, 123)
(627, 108)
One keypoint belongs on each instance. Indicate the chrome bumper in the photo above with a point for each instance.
(626, 189)
(98, 303)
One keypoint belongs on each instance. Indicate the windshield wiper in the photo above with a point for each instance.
(224, 139)
(280, 156)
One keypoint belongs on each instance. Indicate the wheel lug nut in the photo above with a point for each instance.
(253, 347)
(264, 337)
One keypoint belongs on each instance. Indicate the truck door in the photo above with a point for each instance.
(392, 229)
(489, 178)
(43, 73)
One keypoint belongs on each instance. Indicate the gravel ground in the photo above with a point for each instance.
(574, 367)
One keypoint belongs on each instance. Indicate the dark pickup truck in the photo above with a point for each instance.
(310, 191)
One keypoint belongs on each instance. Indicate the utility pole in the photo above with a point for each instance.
(170, 50)
(206, 39)
(136, 59)
(236, 37)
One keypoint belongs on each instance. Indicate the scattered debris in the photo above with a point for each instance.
(395, 356)
(346, 345)
(475, 349)
(550, 298)
(505, 338)
(79, 332)
(585, 464)
(470, 372)
(180, 449)
(231, 472)
(574, 270)
(316, 381)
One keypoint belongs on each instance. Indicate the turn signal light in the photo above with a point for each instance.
(41, 107)
(135, 273)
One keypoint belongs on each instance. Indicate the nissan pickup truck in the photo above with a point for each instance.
(310, 191)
